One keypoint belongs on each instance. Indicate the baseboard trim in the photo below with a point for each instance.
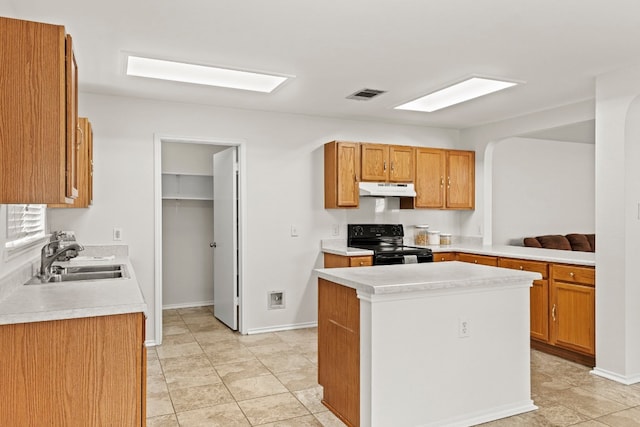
(486, 416)
(280, 328)
(187, 305)
(623, 379)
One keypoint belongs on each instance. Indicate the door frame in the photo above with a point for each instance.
(158, 139)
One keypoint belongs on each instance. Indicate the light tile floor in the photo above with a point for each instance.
(206, 375)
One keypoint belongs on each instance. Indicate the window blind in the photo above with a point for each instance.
(25, 224)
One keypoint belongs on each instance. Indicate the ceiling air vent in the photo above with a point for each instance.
(365, 94)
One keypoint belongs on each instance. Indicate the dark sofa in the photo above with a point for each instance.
(570, 242)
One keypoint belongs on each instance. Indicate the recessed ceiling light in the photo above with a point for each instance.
(470, 88)
(202, 74)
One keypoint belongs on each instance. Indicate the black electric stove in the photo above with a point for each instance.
(386, 242)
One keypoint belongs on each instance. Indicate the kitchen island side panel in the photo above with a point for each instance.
(417, 368)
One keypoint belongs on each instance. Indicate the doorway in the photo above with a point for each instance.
(190, 189)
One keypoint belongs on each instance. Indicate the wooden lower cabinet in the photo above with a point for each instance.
(334, 261)
(573, 308)
(339, 350)
(75, 372)
(538, 296)
(478, 259)
(444, 256)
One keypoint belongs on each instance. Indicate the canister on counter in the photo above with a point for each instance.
(420, 236)
(433, 237)
(445, 238)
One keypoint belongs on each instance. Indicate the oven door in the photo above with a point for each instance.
(388, 259)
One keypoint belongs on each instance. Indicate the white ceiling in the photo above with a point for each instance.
(336, 47)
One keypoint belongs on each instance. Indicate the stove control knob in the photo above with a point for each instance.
(396, 230)
(358, 231)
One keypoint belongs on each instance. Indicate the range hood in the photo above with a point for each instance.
(386, 189)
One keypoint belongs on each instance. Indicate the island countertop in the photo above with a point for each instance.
(389, 279)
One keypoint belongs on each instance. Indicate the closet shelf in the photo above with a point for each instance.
(187, 186)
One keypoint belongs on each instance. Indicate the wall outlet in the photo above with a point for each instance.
(335, 230)
(276, 300)
(117, 234)
(294, 230)
(464, 327)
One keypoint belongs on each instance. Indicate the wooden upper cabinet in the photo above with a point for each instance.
(387, 163)
(460, 179)
(444, 179)
(430, 177)
(38, 106)
(84, 170)
(375, 162)
(341, 167)
(401, 167)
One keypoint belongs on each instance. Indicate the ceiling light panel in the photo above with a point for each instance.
(202, 74)
(466, 90)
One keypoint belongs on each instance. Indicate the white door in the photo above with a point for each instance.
(225, 235)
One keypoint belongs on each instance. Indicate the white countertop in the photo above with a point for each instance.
(389, 279)
(339, 247)
(68, 300)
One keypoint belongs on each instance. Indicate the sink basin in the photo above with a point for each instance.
(83, 273)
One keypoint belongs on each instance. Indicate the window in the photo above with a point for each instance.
(25, 225)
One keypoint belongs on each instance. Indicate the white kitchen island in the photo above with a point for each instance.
(429, 344)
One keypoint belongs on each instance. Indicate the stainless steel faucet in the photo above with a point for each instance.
(58, 253)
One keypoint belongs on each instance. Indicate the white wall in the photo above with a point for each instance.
(542, 187)
(187, 258)
(284, 159)
(482, 140)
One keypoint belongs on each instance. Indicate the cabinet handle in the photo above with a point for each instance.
(361, 263)
(475, 261)
(448, 182)
(442, 181)
(384, 165)
(553, 312)
(521, 268)
(391, 166)
(81, 139)
(571, 274)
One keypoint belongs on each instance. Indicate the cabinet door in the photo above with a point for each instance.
(478, 259)
(32, 112)
(375, 162)
(539, 310)
(429, 179)
(573, 316)
(538, 295)
(334, 261)
(444, 256)
(460, 180)
(348, 191)
(341, 168)
(401, 159)
(72, 121)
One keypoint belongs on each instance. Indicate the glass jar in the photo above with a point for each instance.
(420, 236)
(433, 237)
(445, 238)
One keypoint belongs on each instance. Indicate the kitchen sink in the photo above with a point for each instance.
(82, 273)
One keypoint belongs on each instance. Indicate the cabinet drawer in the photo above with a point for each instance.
(478, 259)
(360, 261)
(575, 274)
(444, 256)
(520, 264)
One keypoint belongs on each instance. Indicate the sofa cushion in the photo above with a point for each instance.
(579, 242)
(532, 242)
(554, 241)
